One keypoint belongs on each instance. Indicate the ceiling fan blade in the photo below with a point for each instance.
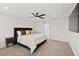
(42, 15)
(33, 14)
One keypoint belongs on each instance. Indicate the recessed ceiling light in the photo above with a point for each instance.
(54, 16)
(1, 4)
(6, 7)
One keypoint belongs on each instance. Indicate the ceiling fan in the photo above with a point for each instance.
(39, 16)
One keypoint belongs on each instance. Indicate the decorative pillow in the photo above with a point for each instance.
(27, 32)
(23, 32)
(30, 31)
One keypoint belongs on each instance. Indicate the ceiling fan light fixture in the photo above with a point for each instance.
(5, 7)
(39, 16)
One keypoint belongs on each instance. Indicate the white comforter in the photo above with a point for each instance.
(31, 40)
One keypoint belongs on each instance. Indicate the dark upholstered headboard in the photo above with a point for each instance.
(19, 29)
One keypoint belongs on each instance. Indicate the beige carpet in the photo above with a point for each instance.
(50, 48)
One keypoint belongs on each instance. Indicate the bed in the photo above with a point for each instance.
(31, 41)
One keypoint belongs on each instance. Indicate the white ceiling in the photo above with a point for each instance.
(24, 10)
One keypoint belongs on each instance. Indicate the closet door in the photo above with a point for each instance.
(73, 20)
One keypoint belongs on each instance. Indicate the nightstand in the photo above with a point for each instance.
(9, 41)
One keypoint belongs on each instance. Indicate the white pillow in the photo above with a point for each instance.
(19, 33)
